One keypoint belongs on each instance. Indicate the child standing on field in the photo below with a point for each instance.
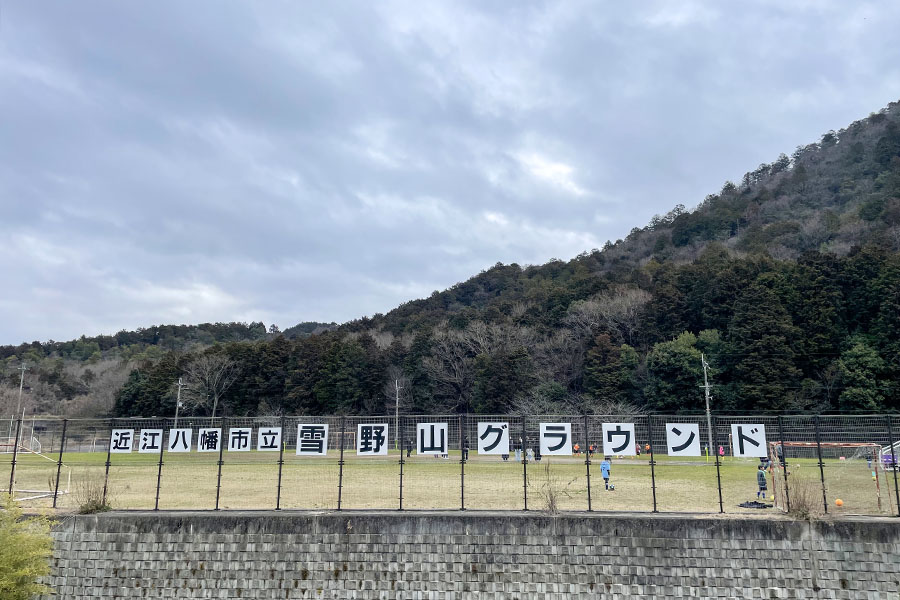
(761, 481)
(604, 471)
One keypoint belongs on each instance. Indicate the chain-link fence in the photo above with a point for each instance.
(648, 463)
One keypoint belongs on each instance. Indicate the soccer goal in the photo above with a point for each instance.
(851, 469)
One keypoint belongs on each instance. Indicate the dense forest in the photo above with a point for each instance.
(788, 282)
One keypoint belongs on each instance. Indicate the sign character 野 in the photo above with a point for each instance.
(371, 439)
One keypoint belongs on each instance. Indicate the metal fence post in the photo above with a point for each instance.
(787, 491)
(652, 462)
(715, 435)
(222, 440)
(62, 444)
(463, 445)
(280, 465)
(522, 442)
(341, 463)
(893, 462)
(402, 462)
(162, 445)
(587, 460)
(821, 464)
(108, 456)
(12, 471)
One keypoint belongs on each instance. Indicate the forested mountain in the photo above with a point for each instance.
(83, 376)
(788, 282)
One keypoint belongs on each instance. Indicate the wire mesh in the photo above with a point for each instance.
(856, 467)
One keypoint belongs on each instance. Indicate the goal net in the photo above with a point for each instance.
(852, 471)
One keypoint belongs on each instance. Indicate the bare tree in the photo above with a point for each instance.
(397, 390)
(451, 367)
(208, 377)
(619, 309)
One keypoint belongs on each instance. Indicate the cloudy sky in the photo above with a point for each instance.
(185, 162)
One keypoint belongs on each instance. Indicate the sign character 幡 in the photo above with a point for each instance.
(209, 440)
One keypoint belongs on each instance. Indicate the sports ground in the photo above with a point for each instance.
(250, 481)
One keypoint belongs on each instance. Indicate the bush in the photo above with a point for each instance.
(806, 497)
(25, 547)
(552, 489)
(88, 495)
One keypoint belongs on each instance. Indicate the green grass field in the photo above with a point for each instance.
(250, 481)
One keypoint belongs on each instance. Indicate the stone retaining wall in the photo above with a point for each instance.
(470, 555)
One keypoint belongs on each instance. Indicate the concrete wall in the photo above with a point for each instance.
(470, 555)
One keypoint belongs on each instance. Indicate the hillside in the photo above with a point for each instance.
(83, 376)
(789, 282)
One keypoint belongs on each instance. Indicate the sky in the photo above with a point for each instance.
(203, 161)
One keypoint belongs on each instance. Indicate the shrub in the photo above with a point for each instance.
(25, 547)
(552, 489)
(88, 495)
(806, 497)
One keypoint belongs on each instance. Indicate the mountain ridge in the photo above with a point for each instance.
(788, 280)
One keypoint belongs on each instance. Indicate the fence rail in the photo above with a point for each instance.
(664, 463)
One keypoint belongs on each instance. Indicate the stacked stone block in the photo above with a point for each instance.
(444, 556)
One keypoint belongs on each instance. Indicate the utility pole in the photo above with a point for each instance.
(178, 402)
(23, 368)
(708, 398)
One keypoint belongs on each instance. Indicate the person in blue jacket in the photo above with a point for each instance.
(604, 470)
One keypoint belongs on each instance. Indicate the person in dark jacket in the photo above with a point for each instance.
(761, 481)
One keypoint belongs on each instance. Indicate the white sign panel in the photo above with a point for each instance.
(151, 441)
(432, 438)
(493, 438)
(618, 438)
(748, 440)
(312, 439)
(121, 440)
(210, 440)
(179, 440)
(683, 439)
(268, 439)
(372, 439)
(556, 439)
(239, 439)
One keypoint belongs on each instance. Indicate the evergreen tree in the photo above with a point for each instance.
(760, 352)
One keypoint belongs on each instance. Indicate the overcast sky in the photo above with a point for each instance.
(186, 162)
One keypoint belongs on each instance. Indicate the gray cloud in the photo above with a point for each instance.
(204, 161)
